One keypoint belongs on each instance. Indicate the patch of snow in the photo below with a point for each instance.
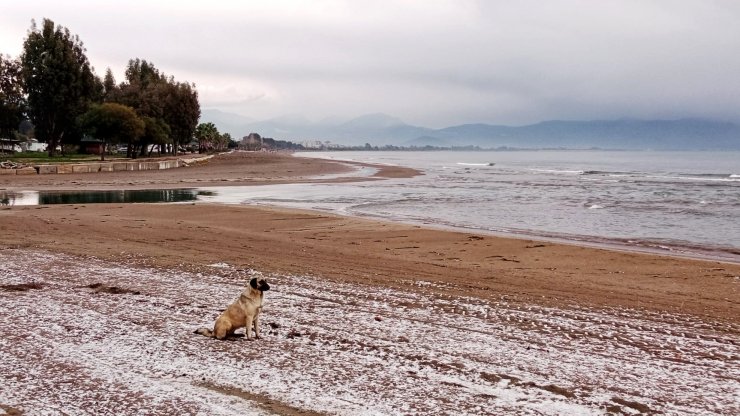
(221, 265)
(68, 349)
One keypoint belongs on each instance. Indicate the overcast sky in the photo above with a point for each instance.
(431, 63)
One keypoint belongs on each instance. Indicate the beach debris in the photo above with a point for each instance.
(12, 165)
(643, 409)
(114, 290)
(293, 334)
(511, 260)
(21, 287)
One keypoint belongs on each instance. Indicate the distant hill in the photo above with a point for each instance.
(375, 128)
(382, 129)
(683, 134)
(226, 122)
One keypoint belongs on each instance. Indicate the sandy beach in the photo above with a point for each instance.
(662, 313)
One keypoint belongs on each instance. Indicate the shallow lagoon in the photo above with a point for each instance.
(99, 197)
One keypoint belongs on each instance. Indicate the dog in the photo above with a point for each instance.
(244, 312)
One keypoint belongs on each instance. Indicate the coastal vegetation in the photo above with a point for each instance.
(112, 122)
(52, 88)
(12, 102)
(42, 157)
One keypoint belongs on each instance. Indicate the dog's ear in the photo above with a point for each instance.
(253, 282)
(264, 286)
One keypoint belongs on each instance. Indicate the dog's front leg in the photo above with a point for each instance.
(257, 326)
(248, 329)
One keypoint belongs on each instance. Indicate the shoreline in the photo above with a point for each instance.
(338, 171)
(626, 204)
(728, 255)
(277, 239)
(681, 250)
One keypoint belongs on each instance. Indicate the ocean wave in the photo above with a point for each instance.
(708, 177)
(558, 172)
(716, 177)
(474, 164)
(610, 173)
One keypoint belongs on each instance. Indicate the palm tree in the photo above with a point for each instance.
(207, 135)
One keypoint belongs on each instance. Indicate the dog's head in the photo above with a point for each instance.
(259, 284)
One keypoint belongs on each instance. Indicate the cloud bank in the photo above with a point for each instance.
(431, 63)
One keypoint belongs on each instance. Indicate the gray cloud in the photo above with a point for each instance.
(429, 62)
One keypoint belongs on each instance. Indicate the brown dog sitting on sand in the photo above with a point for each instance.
(244, 312)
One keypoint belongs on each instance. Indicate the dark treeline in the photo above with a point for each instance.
(53, 87)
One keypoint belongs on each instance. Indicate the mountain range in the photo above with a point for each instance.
(381, 129)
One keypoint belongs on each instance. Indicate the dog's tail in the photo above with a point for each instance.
(204, 331)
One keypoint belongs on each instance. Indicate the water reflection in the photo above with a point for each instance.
(129, 196)
(98, 197)
(12, 198)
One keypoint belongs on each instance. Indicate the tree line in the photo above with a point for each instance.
(53, 85)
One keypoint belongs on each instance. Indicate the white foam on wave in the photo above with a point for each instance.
(707, 179)
(560, 172)
(474, 164)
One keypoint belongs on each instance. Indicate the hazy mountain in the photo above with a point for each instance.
(609, 134)
(372, 121)
(382, 129)
(225, 122)
(375, 128)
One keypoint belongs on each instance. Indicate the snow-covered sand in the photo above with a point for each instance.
(337, 348)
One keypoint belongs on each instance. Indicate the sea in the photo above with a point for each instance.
(680, 203)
